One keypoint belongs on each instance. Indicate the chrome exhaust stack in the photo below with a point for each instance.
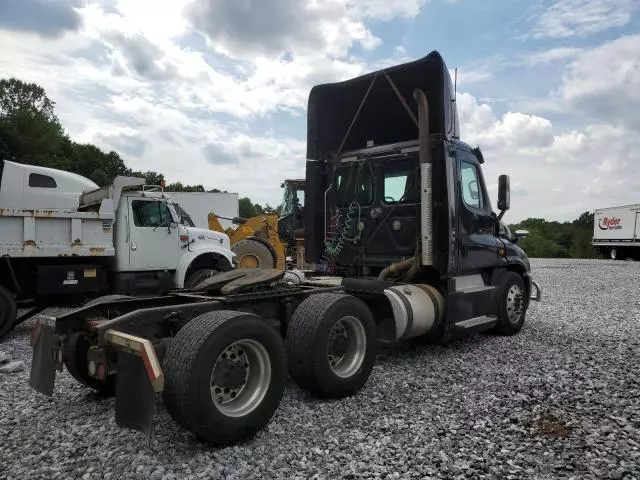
(426, 179)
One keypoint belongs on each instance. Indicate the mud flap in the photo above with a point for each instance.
(135, 396)
(45, 360)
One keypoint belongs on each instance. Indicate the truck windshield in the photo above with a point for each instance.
(353, 183)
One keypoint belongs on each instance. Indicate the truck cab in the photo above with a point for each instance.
(156, 245)
(376, 199)
(394, 195)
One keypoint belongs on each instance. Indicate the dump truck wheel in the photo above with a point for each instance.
(8, 311)
(253, 254)
(225, 374)
(331, 344)
(199, 276)
(512, 304)
(74, 356)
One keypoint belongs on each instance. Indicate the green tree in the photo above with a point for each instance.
(179, 187)
(31, 137)
(269, 210)
(18, 96)
(246, 209)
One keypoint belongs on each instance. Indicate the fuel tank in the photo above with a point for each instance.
(417, 310)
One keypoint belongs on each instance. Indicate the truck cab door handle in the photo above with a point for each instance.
(134, 246)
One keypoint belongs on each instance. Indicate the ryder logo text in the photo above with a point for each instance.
(612, 223)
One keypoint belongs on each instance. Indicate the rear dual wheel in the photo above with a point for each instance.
(331, 344)
(225, 373)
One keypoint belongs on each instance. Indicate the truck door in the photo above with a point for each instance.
(154, 243)
(477, 243)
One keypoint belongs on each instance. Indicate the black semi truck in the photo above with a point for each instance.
(406, 243)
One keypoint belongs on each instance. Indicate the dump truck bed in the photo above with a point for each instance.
(51, 233)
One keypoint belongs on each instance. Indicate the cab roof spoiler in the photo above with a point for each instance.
(379, 108)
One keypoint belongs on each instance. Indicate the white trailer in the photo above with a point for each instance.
(616, 231)
(126, 238)
(200, 204)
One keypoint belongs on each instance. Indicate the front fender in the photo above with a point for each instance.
(189, 257)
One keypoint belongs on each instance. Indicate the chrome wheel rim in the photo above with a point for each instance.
(240, 378)
(514, 304)
(347, 346)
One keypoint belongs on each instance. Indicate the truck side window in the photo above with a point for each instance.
(353, 183)
(395, 185)
(150, 213)
(41, 181)
(470, 185)
(400, 184)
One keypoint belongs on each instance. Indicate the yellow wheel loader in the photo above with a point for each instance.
(255, 241)
(262, 241)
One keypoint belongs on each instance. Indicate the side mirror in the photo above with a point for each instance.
(504, 193)
(173, 224)
(520, 234)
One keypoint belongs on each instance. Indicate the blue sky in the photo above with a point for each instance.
(215, 91)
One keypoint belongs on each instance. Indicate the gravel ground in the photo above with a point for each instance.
(559, 400)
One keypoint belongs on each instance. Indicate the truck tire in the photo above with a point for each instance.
(512, 302)
(198, 277)
(253, 254)
(618, 254)
(225, 374)
(74, 356)
(331, 344)
(8, 311)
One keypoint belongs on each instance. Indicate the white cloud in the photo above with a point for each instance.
(386, 9)
(567, 18)
(559, 174)
(604, 82)
(546, 57)
(256, 27)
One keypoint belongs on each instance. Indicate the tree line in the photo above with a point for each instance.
(31, 133)
(558, 239)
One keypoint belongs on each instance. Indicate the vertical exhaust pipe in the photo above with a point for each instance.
(426, 178)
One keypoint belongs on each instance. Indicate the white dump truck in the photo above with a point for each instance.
(63, 238)
(616, 231)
